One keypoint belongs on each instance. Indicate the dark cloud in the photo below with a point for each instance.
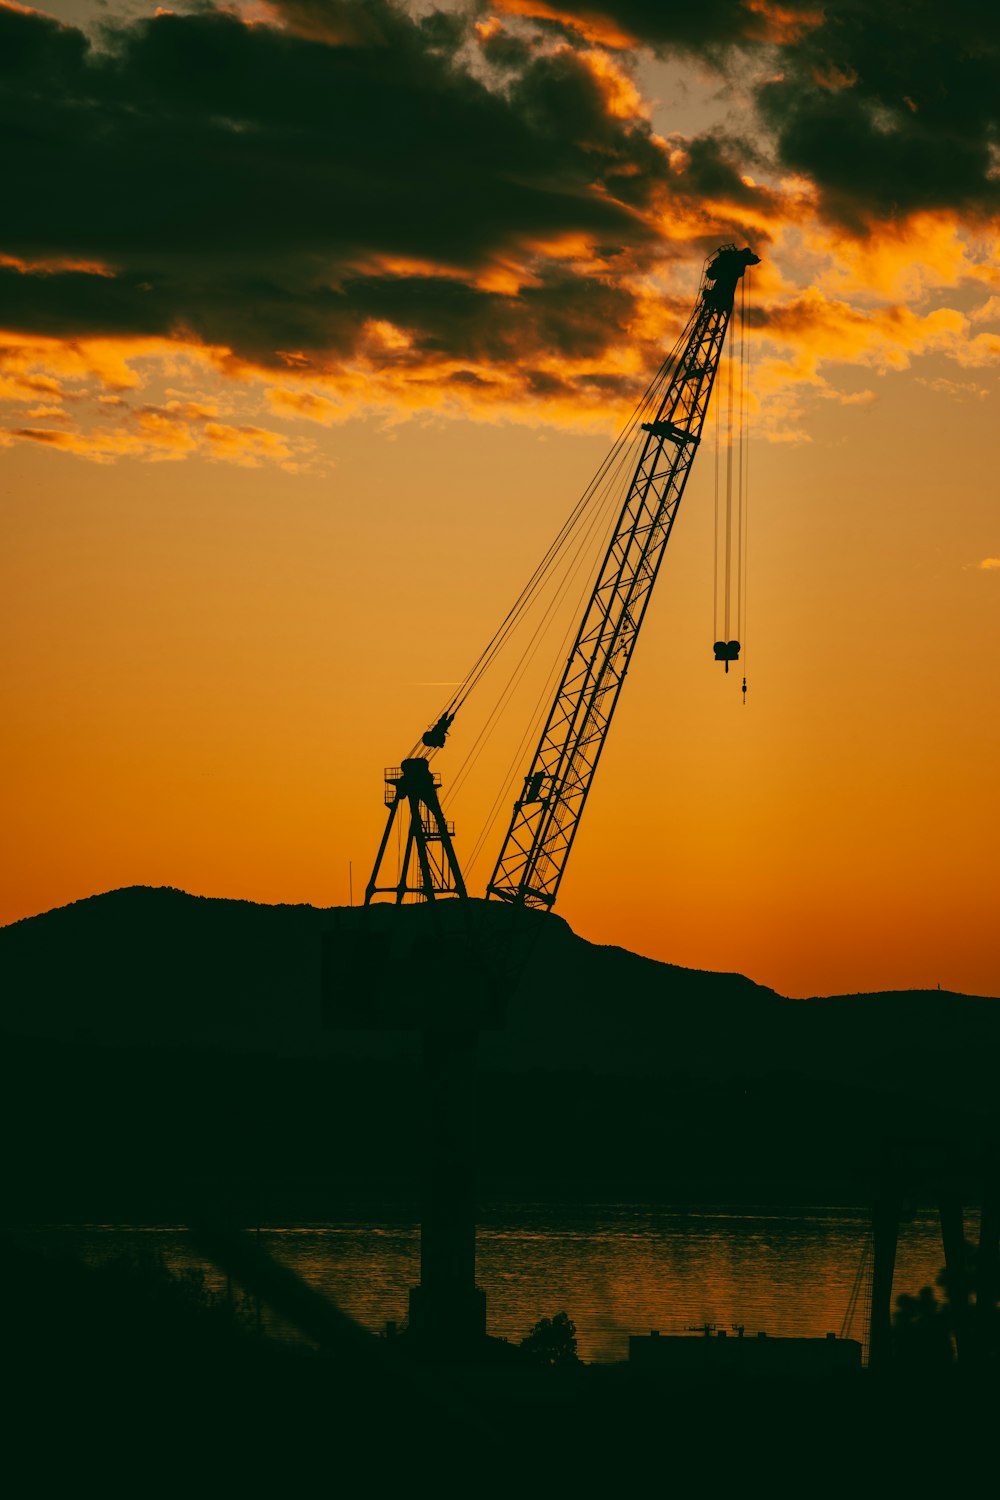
(715, 163)
(568, 313)
(888, 107)
(256, 186)
(199, 134)
(893, 108)
(73, 304)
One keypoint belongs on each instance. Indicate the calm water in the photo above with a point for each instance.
(616, 1268)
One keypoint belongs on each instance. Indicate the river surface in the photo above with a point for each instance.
(615, 1268)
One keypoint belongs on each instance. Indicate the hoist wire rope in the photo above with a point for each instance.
(535, 719)
(728, 589)
(604, 488)
(523, 600)
(604, 516)
(544, 699)
(746, 462)
(583, 539)
(531, 733)
(540, 632)
(556, 546)
(613, 492)
(741, 352)
(731, 433)
(715, 535)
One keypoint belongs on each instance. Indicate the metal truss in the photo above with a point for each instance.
(547, 815)
(428, 867)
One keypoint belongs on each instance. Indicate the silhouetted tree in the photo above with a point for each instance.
(552, 1342)
(930, 1331)
(922, 1331)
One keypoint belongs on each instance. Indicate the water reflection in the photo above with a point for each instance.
(615, 1268)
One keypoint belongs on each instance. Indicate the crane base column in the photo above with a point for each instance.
(447, 1321)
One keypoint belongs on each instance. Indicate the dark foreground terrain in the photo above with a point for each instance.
(125, 1382)
(164, 1053)
(172, 1059)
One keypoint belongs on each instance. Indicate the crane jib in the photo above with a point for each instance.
(546, 818)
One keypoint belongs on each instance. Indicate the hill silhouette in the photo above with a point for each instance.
(156, 1040)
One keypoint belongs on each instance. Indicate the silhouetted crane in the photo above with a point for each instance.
(447, 1310)
(547, 815)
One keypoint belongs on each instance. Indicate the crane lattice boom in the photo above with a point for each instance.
(547, 815)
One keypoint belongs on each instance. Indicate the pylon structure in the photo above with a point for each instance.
(428, 867)
(447, 1310)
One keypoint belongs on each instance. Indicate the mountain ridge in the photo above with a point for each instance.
(162, 1049)
(156, 966)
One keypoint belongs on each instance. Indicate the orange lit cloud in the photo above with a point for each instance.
(904, 259)
(592, 25)
(821, 328)
(803, 335)
(989, 312)
(621, 97)
(528, 257)
(961, 390)
(53, 413)
(55, 266)
(244, 445)
(305, 404)
(157, 437)
(177, 428)
(977, 352)
(782, 25)
(35, 364)
(618, 25)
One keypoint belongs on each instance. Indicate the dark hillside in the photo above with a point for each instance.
(162, 1047)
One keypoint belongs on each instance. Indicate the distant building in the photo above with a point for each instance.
(719, 1352)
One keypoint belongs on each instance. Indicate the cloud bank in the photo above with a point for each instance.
(350, 204)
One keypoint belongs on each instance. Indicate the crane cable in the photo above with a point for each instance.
(534, 723)
(715, 531)
(735, 516)
(542, 704)
(533, 728)
(744, 470)
(728, 593)
(581, 555)
(722, 534)
(598, 488)
(622, 469)
(530, 590)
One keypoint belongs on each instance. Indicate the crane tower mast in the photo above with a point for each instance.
(547, 814)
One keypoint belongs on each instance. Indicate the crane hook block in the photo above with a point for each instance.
(727, 651)
(434, 738)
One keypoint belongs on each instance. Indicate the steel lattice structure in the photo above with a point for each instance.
(547, 815)
(413, 787)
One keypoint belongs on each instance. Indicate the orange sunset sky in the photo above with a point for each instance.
(317, 316)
